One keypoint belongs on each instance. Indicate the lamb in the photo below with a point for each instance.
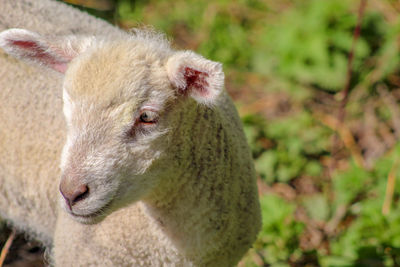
(117, 150)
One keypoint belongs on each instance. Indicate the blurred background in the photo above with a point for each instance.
(319, 100)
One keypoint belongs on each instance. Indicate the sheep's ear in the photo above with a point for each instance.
(193, 75)
(54, 53)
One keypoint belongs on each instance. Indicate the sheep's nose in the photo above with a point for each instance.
(73, 194)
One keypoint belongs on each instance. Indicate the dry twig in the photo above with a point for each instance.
(331, 226)
(391, 181)
(356, 35)
(6, 247)
(346, 91)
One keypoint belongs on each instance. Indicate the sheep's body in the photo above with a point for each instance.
(204, 212)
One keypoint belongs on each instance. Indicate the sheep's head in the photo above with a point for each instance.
(122, 101)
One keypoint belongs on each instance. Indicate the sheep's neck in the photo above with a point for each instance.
(195, 195)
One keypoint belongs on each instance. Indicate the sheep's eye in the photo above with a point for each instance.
(148, 116)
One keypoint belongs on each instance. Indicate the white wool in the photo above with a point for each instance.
(177, 191)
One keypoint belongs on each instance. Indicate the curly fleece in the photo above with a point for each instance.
(182, 193)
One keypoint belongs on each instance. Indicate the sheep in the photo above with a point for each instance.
(117, 150)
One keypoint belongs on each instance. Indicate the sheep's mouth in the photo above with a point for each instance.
(93, 217)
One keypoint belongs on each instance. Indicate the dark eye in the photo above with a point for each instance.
(148, 116)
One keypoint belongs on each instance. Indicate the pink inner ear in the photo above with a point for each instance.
(196, 80)
(35, 52)
(23, 44)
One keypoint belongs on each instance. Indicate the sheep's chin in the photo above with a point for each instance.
(88, 219)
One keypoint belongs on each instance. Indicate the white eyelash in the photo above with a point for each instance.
(148, 107)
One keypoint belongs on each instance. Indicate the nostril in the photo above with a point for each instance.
(73, 192)
(81, 193)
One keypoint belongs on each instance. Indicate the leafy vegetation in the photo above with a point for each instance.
(328, 185)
